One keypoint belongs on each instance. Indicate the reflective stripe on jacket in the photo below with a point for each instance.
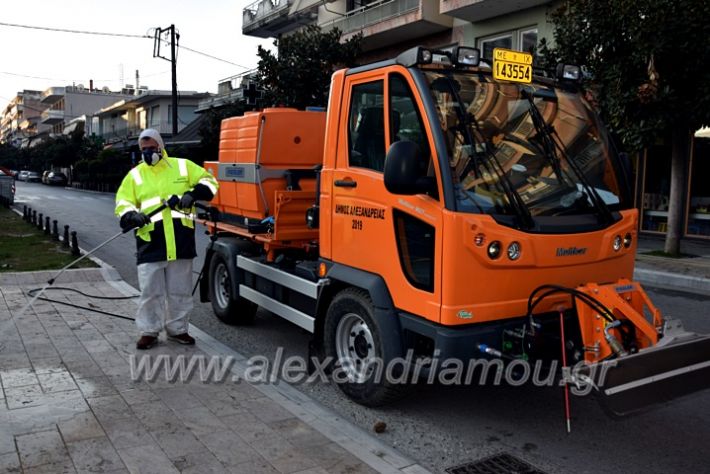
(170, 234)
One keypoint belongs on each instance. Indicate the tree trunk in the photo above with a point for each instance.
(679, 178)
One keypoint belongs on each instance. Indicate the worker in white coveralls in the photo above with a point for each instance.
(165, 242)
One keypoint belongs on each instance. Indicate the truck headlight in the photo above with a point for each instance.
(494, 249)
(514, 251)
(616, 245)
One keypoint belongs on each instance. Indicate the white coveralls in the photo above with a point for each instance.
(166, 245)
(161, 283)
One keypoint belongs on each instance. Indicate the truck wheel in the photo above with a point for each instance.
(228, 308)
(354, 342)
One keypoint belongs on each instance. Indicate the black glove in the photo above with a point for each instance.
(186, 200)
(173, 201)
(133, 219)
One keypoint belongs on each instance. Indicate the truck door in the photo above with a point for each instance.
(397, 237)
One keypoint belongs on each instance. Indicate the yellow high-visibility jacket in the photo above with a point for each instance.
(171, 233)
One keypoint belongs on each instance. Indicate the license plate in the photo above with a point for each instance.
(514, 66)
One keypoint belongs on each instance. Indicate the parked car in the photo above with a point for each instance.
(22, 175)
(56, 178)
(45, 175)
(33, 177)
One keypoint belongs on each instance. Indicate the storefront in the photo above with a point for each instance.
(653, 182)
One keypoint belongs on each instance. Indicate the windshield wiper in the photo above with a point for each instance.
(548, 134)
(516, 202)
(543, 132)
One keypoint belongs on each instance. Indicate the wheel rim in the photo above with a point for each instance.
(355, 347)
(222, 286)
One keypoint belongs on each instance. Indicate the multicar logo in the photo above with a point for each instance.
(571, 251)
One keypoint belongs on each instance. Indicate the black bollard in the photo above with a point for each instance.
(24, 213)
(74, 244)
(34, 217)
(65, 243)
(39, 221)
(47, 229)
(55, 231)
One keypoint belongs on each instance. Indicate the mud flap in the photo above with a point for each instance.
(633, 383)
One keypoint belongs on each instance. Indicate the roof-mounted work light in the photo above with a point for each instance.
(466, 56)
(414, 56)
(568, 72)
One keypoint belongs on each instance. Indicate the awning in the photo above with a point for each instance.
(703, 133)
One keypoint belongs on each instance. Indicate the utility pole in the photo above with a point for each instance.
(173, 60)
(174, 67)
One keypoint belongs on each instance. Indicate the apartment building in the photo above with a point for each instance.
(391, 26)
(62, 104)
(120, 123)
(21, 118)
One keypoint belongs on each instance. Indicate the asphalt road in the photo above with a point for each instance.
(443, 426)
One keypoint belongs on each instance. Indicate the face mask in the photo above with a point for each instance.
(150, 155)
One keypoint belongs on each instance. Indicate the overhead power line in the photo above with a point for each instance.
(59, 79)
(212, 57)
(54, 78)
(82, 32)
(120, 35)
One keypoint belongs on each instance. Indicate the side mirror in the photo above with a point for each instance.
(402, 170)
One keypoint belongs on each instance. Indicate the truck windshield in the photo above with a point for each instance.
(523, 150)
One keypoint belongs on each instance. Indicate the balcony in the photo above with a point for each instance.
(479, 10)
(229, 90)
(388, 22)
(271, 18)
(51, 116)
(52, 95)
(120, 133)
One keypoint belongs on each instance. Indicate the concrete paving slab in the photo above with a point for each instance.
(69, 381)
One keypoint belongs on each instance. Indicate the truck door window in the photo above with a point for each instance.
(406, 121)
(366, 126)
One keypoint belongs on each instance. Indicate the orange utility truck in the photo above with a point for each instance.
(445, 206)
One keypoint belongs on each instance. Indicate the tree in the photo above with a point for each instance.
(300, 76)
(649, 68)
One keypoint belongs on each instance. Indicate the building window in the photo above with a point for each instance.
(489, 44)
(524, 39)
(155, 116)
(528, 40)
(699, 199)
(656, 188)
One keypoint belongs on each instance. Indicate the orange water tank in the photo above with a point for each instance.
(258, 151)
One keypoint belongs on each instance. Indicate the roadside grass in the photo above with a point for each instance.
(661, 253)
(25, 248)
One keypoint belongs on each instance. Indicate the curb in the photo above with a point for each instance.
(358, 442)
(673, 281)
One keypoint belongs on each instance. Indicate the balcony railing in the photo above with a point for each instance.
(123, 132)
(371, 14)
(52, 116)
(115, 134)
(261, 10)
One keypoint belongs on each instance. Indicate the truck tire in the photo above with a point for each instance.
(228, 308)
(351, 337)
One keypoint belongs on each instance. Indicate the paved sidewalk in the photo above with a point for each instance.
(686, 273)
(69, 404)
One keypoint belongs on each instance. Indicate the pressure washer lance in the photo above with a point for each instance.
(151, 214)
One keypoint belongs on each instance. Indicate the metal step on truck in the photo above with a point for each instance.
(445, 207)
